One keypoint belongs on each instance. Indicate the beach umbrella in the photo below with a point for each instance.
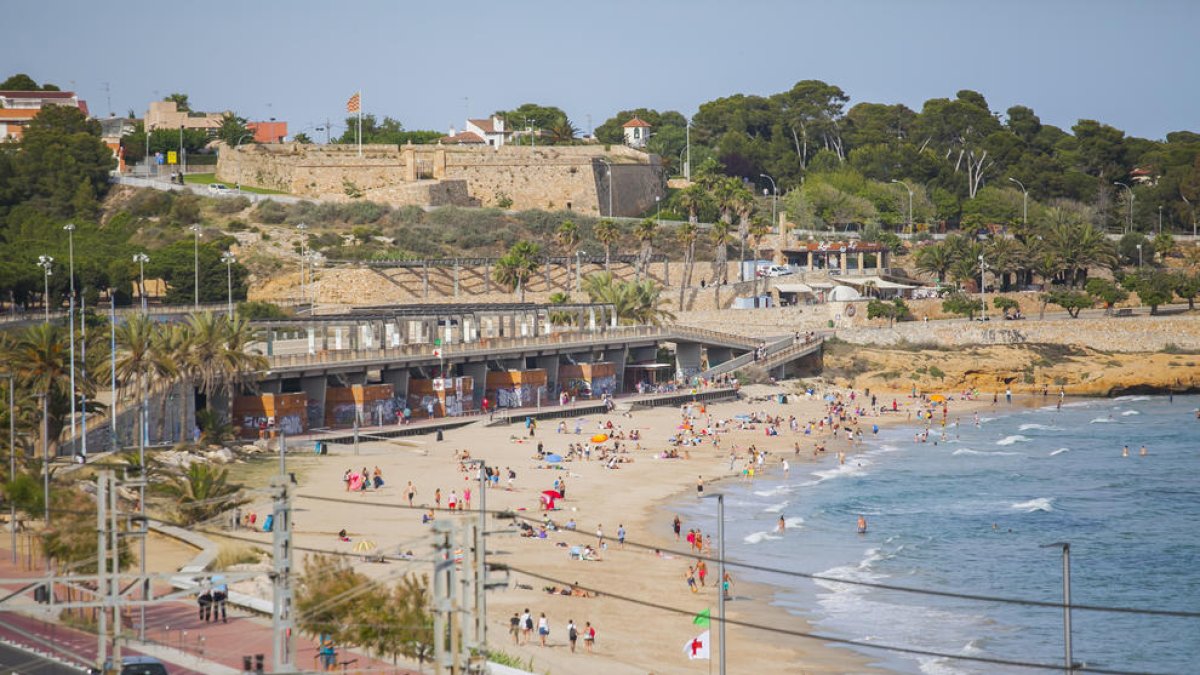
(552, 494)
(599, 438)
(552, 457)
(364, 545)
(937, 398)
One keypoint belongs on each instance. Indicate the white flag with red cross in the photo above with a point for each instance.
(697, 647)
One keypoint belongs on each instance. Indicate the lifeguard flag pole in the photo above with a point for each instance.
(354, 105)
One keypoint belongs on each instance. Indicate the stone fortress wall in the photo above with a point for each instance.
(551, 177)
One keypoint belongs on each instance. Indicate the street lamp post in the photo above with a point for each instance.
(196, 263)
(1139, 248)
(1131, 198)
(610, 185)
(1066, 561)
(578, 274)
(910, 203)
(228, 258)
(12, 457)
(1024, 203)
(720, 579)
(47, 264)
(983, 266)
(70, 228)
(303, 228)
(687, 166)
(774, 198)
(1160, 218)
(141, 259)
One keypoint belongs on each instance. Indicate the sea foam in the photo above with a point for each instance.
(1045, 504)
(1009, 440)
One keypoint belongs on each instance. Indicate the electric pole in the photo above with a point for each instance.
(281, 614)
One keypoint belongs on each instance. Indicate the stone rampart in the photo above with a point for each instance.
(520, 177)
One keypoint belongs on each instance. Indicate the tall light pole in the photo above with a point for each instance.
(1139, 248)
(228, 258)
(1131, 198)
(610, 185)
(46, 263)
(303, 227)
(910, 203)
(1024, 203)
(687, 165)
(1066, 561)
(196, 265)
(983, 266)
(141, 259)
(774, 198)
(1160, 218)
(721, 579)
(12, 457)
(70, 228)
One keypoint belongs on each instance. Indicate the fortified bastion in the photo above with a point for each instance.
(572, 177)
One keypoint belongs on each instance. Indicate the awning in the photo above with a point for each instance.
(650, 366)
(793, 288)
(877, 282)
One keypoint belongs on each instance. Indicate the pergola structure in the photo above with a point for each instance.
(390, 326)
(838, 257)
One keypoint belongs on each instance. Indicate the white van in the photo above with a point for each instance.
(774, 271)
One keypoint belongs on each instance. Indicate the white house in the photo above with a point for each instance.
(490, 132)
(637, 132)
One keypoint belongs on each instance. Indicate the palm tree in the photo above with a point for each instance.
(644, 233)
(567, 236)
(1078, 247)
(607, 232)
(561, 132)
(1005, 256)
(514, 269)
(202, 492)
(720, 236)
(139, 361)
(759, 229)
(561, 318)
(935, 260)
(743, 205)
(39, 355)
(687, 234)
(634, 302)
(692, 199)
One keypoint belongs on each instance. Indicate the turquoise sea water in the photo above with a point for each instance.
(969, 514)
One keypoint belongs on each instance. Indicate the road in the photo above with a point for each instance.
(13, 660)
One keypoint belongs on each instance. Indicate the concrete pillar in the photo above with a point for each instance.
(591, 319)
(477, 371)
(687, 359)
(439, 164)
(861, 269)
(718, 355)
(314, 387)
(312, 340)
(410, 165)
(810, 260)
(879, 261)
(549, 363)
(324, 337)
(842, 261)
(398, 378)
(337, 337)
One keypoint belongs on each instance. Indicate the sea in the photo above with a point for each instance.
(972, 511)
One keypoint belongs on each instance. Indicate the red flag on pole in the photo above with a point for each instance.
(352, 105)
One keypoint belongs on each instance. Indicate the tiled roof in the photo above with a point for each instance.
(464, 138)
(487, 126)
(635, 122)
(37, 94)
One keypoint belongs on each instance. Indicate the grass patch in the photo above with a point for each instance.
(209, 178)
(888, 375)
(934, 371)
(236, 554)
(1172, 348)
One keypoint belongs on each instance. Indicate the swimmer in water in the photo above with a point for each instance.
(1125, 451)
(862, 525)
(1143, 452)
(782, 524)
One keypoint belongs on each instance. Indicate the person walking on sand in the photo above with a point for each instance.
(699, 486)
(410, 492)
(702, 572)
(599, 537)
(514, 628)
(676, 525)
(437, 498)
(589, 637)
(527, 625)
(543, 628)
(621, 531)
(572, 633)
(691, 579)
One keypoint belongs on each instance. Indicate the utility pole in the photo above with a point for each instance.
(282, 620)
(102, 480)
(115, 583)
(443, 587)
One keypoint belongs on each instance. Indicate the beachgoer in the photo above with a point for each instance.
(514, 628)
(327, 652)
(621, 531)
(691, 579)
(527, 625)
(410, 492)
(676, 525)
(782, 524)
(1125, 451)
(572, 633)
(543, 628)
(699, 486)
(1142, 452)
(600, 537)
(702, 571)
(589, 637)
(437, 498)
(862, 525)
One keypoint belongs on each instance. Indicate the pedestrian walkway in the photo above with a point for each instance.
(174, 633)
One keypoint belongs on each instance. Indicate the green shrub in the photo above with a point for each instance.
(150, 203)
(934, 371)
(270, 212)
(230, 205)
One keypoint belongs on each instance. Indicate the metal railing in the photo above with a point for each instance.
(152, 310)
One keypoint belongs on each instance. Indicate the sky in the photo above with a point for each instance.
(431, 64)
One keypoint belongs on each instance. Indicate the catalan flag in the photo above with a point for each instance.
(352, 105)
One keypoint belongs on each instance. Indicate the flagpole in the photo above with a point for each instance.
(360, 123)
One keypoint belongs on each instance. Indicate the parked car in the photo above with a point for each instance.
(135, 665)
(218, 189)
(774, 271)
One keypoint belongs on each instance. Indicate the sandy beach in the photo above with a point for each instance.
(637, 495)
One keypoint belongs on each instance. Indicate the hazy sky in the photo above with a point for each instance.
(1129, 64)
